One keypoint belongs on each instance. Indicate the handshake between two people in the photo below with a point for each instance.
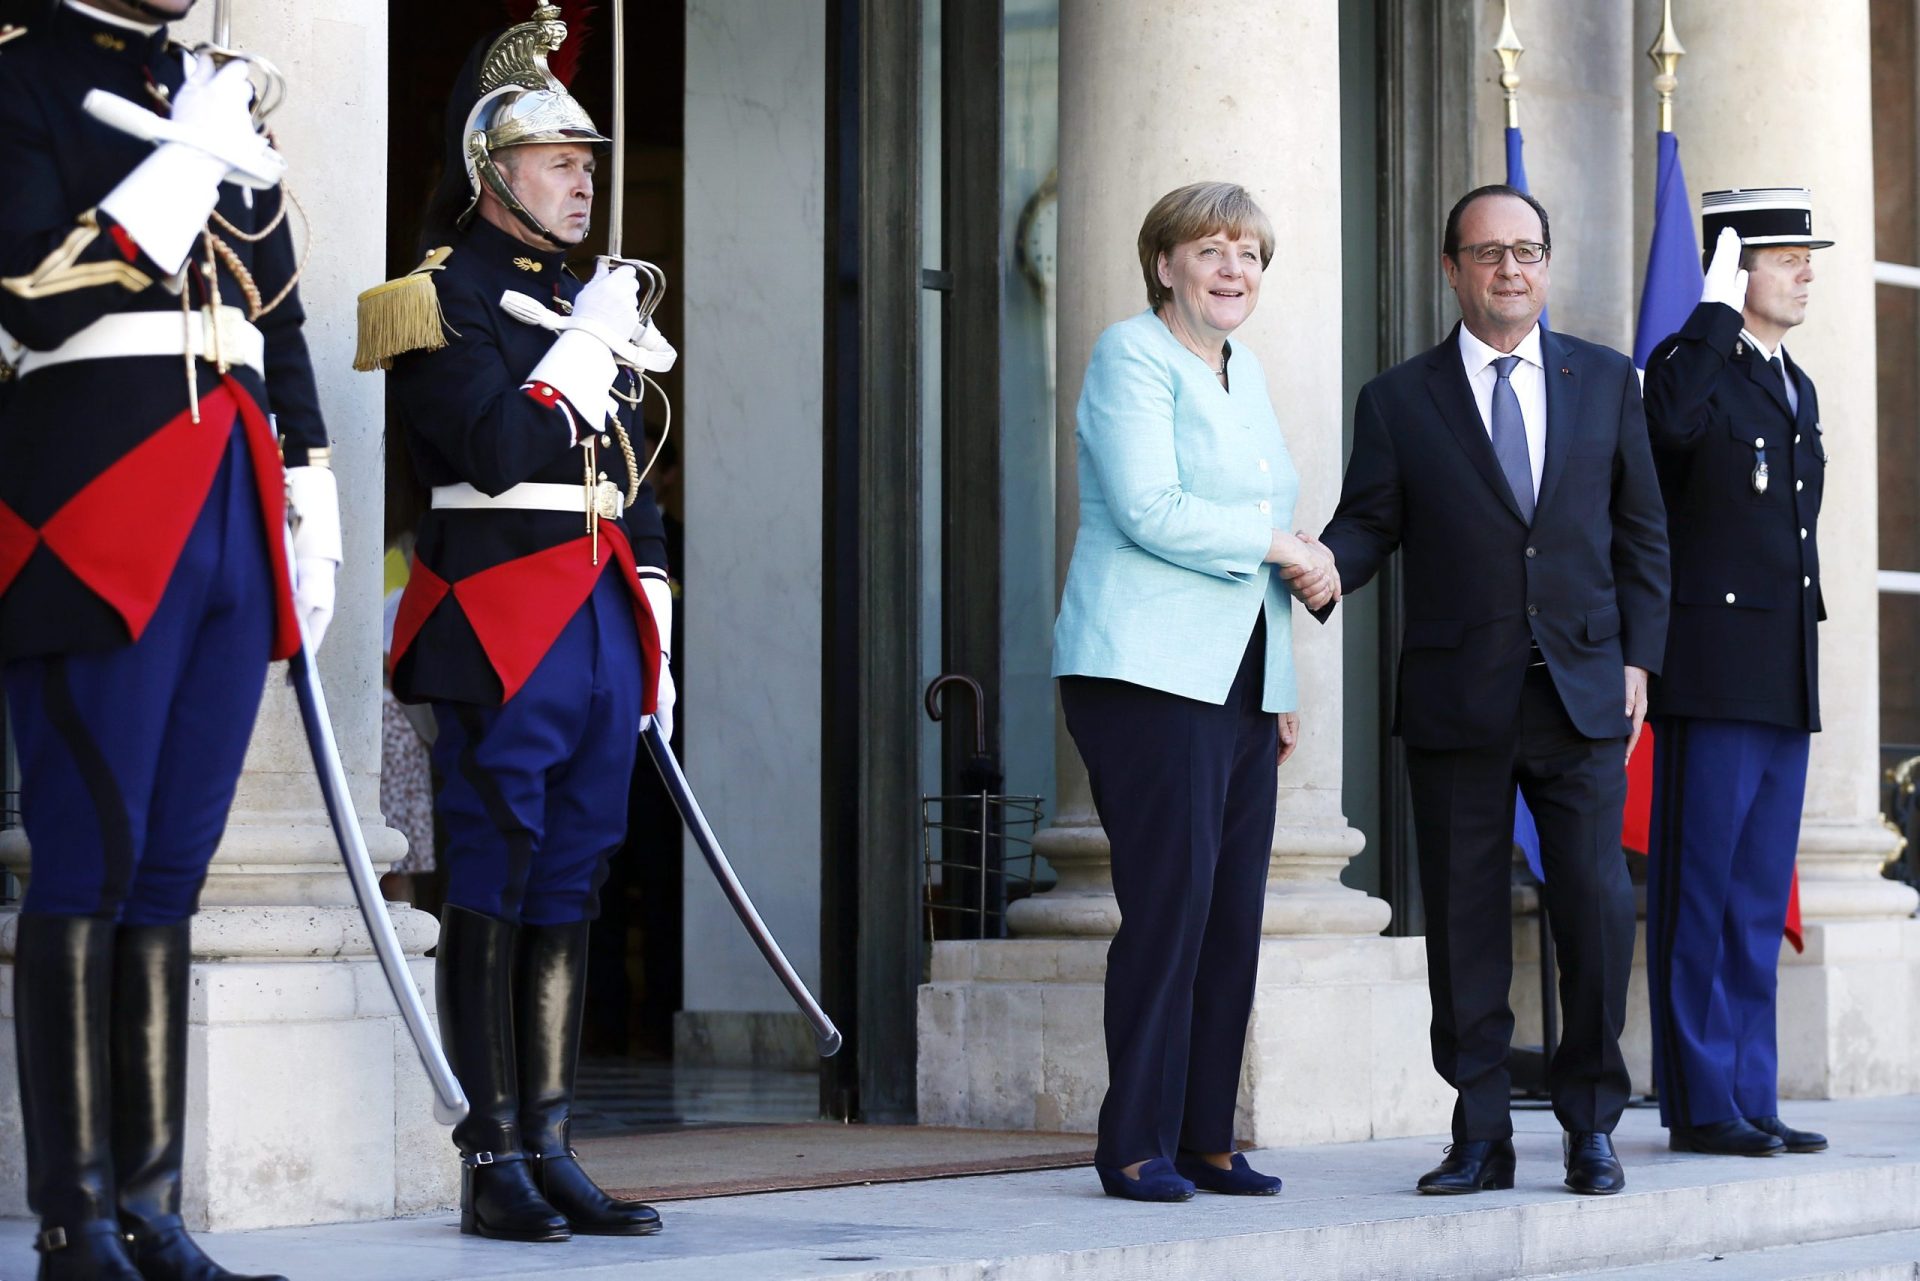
(1307, 566)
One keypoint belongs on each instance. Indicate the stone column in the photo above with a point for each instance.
(1778, 94)
(306, 1102)
(1011, 1031)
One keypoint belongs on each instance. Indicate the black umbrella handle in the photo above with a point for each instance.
(939, 685)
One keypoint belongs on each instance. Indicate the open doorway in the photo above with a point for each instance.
(635, 969)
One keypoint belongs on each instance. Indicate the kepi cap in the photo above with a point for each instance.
(1761, 216)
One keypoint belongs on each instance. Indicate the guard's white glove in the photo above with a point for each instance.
(660, 604)
(610, 303)
(663, 708)
(163, 204)
(1725, 282)
(580, 363)
(315, 500)
(655, 344)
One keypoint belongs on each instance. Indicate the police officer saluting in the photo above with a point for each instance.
(1735, 425)
(160, 383)
(535, 612)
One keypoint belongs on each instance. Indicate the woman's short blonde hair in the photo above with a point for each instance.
(1191, 212)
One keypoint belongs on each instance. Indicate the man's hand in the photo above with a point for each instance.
(1636, 704)
(1725, 282)
(1315, 579)
(1289, 735)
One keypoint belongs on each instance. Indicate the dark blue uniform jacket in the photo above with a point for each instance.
(1746, 564)
(481, 614)
(84, 584)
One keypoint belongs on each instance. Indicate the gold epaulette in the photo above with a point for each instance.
(11, 31)
(402, 315)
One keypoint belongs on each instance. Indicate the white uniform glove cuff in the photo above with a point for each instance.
(316, 502)
(163, 204)
(660, 602)
(579, 367)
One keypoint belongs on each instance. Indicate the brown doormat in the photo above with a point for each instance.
(676, 1165)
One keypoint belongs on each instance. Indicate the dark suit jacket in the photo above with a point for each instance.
(1746, 565)
(1587, 581)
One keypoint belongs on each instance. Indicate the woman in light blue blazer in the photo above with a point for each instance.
(1175, 659)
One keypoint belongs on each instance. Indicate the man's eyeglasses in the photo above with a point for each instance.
(1490, 252)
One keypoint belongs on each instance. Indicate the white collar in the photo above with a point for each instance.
(1761, 347)
(113, 20)
(1478, 355)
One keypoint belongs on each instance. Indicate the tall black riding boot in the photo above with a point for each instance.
(152, 965)
(549, 995)
(474, 979)
(62, 976)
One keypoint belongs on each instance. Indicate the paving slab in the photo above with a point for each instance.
(1883, 1256)
(1348, 1211)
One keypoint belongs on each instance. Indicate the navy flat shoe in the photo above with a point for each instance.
(1157, 1182)
(1241, 1180)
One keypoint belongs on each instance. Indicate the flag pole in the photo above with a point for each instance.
(1666, 52)
(1508, 48)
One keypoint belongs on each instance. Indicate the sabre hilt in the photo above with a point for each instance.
(269, 85)
(656, 281)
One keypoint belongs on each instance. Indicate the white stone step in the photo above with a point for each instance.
(1884, 1256)
(1349, 1213)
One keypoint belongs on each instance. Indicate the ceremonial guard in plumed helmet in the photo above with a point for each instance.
(1735, 424)
(160, 416)
(536, 609)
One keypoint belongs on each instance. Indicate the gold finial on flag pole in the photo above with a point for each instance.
(1666, 52)
(1509, 48)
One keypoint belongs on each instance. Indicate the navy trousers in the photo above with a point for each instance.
(1725, 827)
(1463, 803)
(1186, 792)
(129, 758)
(533, 793)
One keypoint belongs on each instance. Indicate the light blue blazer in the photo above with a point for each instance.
(1182, 482)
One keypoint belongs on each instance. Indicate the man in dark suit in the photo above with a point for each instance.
(1511, 465)
(1735, 425)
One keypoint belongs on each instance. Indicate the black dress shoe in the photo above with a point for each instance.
(1592, 1168)
(1471, 1166)
(1724, 1138)
(1796, 1140)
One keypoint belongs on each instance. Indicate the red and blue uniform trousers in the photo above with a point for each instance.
(533, 792)
(1725, 827)
(129, 757)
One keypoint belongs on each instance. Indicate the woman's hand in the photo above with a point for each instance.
(1307, 566)
(1289, 735)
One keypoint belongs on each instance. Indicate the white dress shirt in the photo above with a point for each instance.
(1529, 379)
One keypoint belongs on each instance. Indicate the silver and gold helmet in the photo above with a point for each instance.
(521, 102)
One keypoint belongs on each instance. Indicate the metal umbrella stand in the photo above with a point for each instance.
(970, 872)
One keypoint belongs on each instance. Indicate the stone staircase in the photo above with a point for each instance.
(1348, 1214)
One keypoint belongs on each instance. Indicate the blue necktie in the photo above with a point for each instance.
(1786, 383)
(1510, 438)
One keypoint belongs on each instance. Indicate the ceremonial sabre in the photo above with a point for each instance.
(270, 87)
(449, 1100)
(617, 197)
(826, 1034)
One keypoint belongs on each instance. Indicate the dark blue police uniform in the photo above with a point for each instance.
(144, 586)
(1742, 466)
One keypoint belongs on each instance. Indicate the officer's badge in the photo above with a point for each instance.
(527, 264)
(10, 31)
